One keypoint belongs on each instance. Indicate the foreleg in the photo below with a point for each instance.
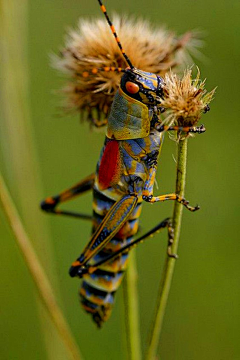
(187, 129)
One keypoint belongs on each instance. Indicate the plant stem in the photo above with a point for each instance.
(170, 261)
(131, 309)
(37, 272)
(19, 156)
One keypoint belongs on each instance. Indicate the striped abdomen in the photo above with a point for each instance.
(98, 289)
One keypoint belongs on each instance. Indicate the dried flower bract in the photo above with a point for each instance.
(185, 99)
(92, 45)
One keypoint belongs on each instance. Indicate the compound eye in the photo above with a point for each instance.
(131, 87)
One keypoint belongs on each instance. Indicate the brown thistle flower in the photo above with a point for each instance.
(185, 99)
(92, 45)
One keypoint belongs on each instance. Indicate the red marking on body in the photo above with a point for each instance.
(110, 166)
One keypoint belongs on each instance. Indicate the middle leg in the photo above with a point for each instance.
(148, 193)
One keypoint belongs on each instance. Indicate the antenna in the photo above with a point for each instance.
(115, 34)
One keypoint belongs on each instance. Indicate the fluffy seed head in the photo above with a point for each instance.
(93, 46)
(185, 99)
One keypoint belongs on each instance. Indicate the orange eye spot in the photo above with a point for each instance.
(131, 87)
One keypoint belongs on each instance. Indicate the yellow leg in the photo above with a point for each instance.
(147, 194)
(187, 129)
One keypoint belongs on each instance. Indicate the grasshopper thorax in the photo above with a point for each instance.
(133, 106)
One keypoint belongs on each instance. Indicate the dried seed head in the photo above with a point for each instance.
(186, 99)
(92, 46)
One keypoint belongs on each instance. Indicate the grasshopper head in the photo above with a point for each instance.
(142, 86)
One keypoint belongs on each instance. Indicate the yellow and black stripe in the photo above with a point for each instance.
(99, 286)
(115, 34)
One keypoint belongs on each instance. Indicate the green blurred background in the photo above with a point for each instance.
(54, 152)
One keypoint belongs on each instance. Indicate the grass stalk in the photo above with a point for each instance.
(18, 159)
(132, 309)
(36, 270)
(170, 262)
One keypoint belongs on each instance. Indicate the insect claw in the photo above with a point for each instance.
(201, 129)
(206, 109)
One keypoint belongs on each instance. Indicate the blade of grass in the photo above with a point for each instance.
(20, 163)
(132, 309)
(170, 261)
(35, 268)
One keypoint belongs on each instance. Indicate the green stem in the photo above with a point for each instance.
(19, 159)
(36, 270)
(131, 309)
(170, 261)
